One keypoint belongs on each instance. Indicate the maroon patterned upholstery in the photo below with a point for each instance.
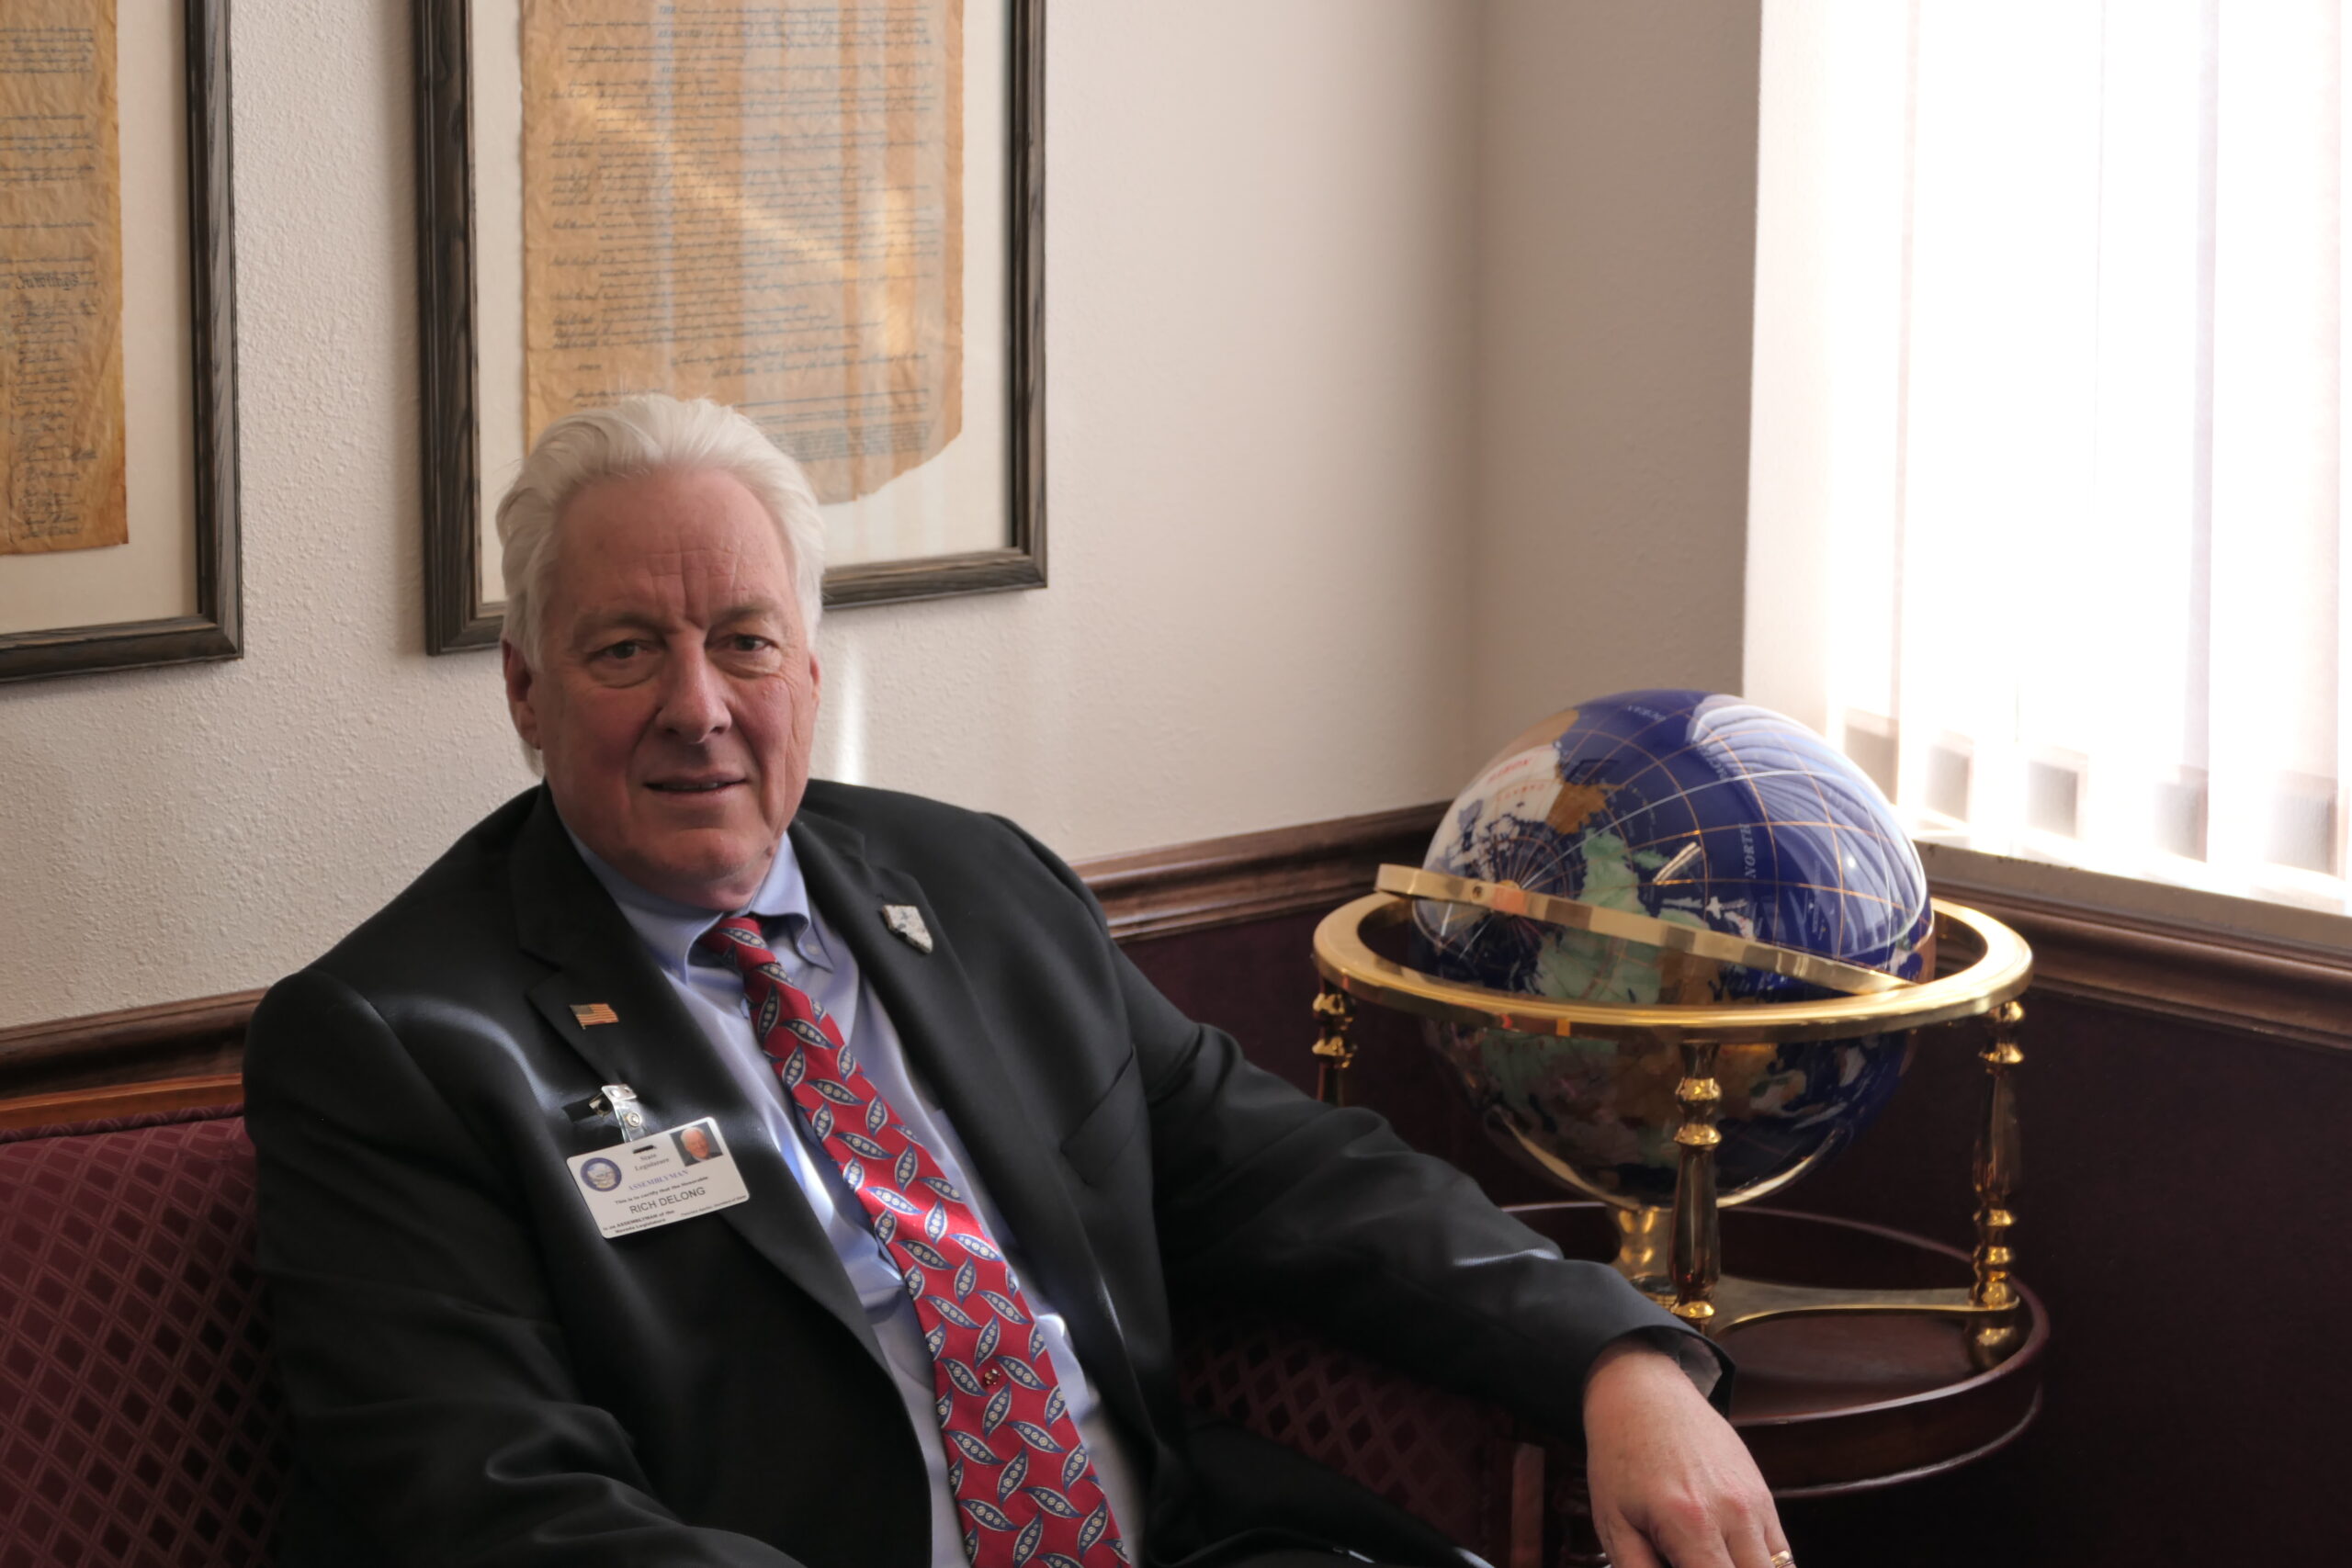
(141, 1424)
(1457, 1463)
(139, 1420)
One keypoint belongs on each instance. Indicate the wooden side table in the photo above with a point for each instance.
(1849, 1403)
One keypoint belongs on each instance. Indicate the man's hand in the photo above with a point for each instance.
(1671, 1481)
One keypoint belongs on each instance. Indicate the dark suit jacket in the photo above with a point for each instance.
(478, 1377)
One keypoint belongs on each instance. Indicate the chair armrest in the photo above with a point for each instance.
(1467, 1467)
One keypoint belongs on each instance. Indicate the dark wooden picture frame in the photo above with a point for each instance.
(216, 630)
(456, 613)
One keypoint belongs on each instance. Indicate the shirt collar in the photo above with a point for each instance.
(670, 929)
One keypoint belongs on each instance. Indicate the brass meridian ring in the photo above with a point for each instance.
(1510, 898)
(2002, 967)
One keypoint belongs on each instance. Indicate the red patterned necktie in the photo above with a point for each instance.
(1021, 1476)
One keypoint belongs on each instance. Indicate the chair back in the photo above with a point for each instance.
(139, 1420)
(141, 1423)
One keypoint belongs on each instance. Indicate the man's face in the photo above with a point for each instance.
(673, 694)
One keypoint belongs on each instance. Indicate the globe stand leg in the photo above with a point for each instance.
(1997, 1171)
(1334, 1053)
(1698, 1258)
(1645, 1247)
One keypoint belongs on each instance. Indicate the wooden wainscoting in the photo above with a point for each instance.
(2186, 972)
(121, 1100)
(1254, 876)
(202, 1037)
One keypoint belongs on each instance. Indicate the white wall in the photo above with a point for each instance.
(1258, 326)
(1281, 553)
(1618, 156)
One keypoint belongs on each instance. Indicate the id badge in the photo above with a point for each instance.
(659, 1180)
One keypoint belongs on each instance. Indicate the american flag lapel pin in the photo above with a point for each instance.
(592, 1014)
(906, 921)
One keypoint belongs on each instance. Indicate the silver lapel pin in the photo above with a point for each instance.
(906, 921)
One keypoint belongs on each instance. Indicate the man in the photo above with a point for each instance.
(980, 1159)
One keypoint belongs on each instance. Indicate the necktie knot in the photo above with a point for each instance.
(738, 940)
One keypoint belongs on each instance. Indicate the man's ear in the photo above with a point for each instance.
(519, 676)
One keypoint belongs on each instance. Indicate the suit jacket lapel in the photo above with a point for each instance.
(656, 1047)
(930, 1001)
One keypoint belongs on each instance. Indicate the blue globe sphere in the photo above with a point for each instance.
(1700, 810)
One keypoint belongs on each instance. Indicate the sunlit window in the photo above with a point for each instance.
(2045, 523)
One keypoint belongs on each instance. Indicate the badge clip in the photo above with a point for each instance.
(620, 1101)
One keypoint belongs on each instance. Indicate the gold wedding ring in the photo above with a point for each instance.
(1784, 1559)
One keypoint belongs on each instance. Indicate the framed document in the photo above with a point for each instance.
(827, 213)
(118, 361)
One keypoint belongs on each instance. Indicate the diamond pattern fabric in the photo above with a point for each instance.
(140, 1421)
(1443, 1458)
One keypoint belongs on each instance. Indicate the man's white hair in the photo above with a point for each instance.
(643, 435)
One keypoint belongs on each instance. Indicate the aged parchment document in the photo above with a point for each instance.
(760, 203)
(61, 279)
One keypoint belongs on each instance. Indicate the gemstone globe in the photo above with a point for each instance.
(1696, 809)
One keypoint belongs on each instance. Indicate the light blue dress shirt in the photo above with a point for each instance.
(818, 962)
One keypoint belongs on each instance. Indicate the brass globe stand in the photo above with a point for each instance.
(1675, 1256)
